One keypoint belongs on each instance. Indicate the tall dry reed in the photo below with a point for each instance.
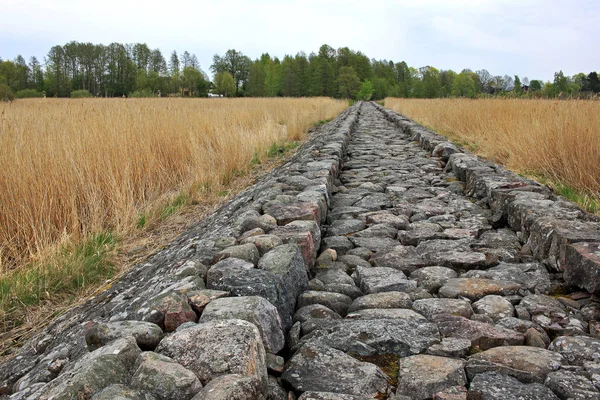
(558, 140)
(72, 167)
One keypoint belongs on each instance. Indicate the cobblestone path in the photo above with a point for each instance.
(380, 262)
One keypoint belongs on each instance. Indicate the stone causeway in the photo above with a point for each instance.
(379, 262)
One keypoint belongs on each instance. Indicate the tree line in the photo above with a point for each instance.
(86, 69)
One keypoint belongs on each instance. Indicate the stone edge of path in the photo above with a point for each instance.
(556, 231)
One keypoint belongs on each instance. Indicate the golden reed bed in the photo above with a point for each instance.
(556, 141)
(72, 167)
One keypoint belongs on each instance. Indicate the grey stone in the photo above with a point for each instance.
(122, 392)
(568, 385)
(276, 392)
(334, 276)
(241, 281)
(421, 376)
(146, 334)
(432, 307)
(361, 252)
(349, 290)
(335, 301)
(532, 276)
(343, 227)
(495, 307)
(577, 349)
(341, 244)
(482, 336)
(164, 377)
(386, 313)
(400, 222)
(377, 231)
(253, 309)
(451, 347)
(527, 364)
(381, 300)
(403, 258)
(330, 396)
(477, 288)
(419, 232)
(105, 366)
(400, 336)
(315, 311)
(354, 261)
(381, 279)
(433, 278)
(323, 369)
(374, 244)
(232, 387)
(218, 348)
(496, 386)
(247, 252)
(264, 243)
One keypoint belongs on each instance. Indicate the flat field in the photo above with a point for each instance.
(76, 173)
(554, 141)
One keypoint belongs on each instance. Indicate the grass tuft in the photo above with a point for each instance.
(67, 273)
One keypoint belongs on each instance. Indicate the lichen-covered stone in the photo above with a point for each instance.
(382, 279)
(381, 300)
(421, 376)
(476, 288)
(218, 348)
(324, 369)
(497, 386)
(432, 307)
(164, 377)
(253, 309)
(527, 364)
(146, 334)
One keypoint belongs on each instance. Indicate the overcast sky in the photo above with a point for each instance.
(531, 38)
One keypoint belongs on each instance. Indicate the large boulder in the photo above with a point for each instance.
(231, 387)
(408, 335)
(164, 377)
(103, 367)
(497, 386)
(323, 369)
(527, 364)
(253, 309)
(218, 348)
(421, 376)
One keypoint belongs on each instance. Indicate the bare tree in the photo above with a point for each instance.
(485, 78)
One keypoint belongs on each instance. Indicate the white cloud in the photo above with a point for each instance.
(530, 37)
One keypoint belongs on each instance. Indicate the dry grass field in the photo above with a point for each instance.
(77, 175)
(556, 142)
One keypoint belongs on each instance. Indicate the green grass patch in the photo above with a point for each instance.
(141, 221)
(589, 203)
(172, 208)
(280, 148)
(65, 275)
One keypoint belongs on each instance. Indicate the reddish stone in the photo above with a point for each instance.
(299, 211)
